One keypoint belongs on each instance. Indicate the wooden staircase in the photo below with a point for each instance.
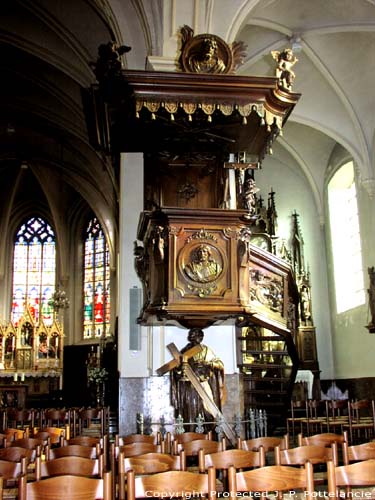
(269, 363)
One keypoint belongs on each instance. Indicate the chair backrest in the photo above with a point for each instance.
(357, 474)
(271, 478)
(67, 486)
(87, 416)
(138, 438)
(172, 483)
(74, 450)
(30, 443)
(76, 466)
(52, 434)
(191, 436)
(13, 433)
(361, 419)
(323, 439)
(308, 453)
(268, 443)
(240, 459)
(149, 463)
(192, 448)
(92, 441)
(12, 470)
(335, 407)
(137, 448)
(85, 441)
(17, 417)
(55, 416)
(16, 453)
(357, 452)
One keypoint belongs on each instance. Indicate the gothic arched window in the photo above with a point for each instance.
(346, 239)
(96, 290)
(34, 271)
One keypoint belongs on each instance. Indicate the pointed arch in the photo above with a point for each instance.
(34, 270)
(96, 282)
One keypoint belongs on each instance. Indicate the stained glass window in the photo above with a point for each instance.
(96, 290)
(34, 270)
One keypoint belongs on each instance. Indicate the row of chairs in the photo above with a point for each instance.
(317, 416)
(75, 420)
(35, 459)
(184, 483)
(207, 461)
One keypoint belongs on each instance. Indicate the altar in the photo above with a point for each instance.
(31, 353)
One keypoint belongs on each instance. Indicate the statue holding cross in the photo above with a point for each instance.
(197, 381)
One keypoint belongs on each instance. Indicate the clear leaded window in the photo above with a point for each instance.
(345, 239)
(34, 271)
(96, 290)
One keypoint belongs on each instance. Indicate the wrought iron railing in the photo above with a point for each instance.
(252, 425)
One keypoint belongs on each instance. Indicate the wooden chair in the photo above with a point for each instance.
(74, 450)
(76, 466)
(222, 460)
(357, 452)
(88, 418)
(272, 478)
(14, 433)
(322, 439)
(361, 425)
(149, 463)
(86, 441)
(137, 448)
(191, 436)
(38, 445)
(298, 412)
(268, 443)
(18, 418)
(10, 472)
(172, 483)
(53, 417)
(17, 453)
(92, 442)
(192, 448)
(138, 438)
(346, 476)
(131, 450)
(312, 424)
(54, 435)
(335, 417)
(316, 455)
(67, 486)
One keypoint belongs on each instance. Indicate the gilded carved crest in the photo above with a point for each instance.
(206, 53)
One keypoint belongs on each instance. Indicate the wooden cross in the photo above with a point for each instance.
(182, 359)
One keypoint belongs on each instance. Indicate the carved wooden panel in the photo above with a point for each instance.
(306, 344)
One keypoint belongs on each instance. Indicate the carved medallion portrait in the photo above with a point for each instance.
(204, 264)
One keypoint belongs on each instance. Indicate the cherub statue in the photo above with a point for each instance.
(285, 61)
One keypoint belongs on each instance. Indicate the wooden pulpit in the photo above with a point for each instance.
(198, 267)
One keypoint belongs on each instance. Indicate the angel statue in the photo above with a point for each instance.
(285, 61)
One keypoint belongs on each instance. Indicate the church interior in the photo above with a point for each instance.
(168, 168)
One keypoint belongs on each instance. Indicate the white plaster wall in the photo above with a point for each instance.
(130, 363)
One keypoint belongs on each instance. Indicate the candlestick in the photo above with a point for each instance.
(15, 376)
(22, 377)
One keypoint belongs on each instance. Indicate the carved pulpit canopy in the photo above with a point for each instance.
(204, 105)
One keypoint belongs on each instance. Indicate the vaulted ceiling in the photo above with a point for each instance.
(47, 47)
